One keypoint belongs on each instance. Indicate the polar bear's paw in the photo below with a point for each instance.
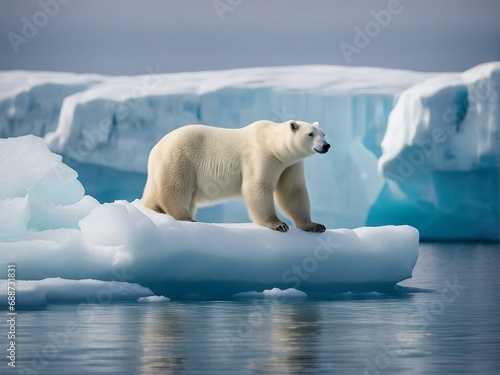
(313, 227)
(278, 225)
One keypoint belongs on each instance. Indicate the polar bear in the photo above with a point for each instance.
(198, 165)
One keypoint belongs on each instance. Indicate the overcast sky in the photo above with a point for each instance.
(125, 36)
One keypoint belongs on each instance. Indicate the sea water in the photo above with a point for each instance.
(445, 320)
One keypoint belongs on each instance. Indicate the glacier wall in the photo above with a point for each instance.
(30, 102)
(106, 129)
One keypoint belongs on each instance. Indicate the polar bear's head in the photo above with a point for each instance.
(308, 138)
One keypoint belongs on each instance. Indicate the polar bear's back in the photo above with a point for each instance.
(212, 154)
(200, 136)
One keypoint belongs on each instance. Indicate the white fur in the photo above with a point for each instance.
(199, 165)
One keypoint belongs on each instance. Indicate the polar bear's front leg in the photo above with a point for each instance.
(293, 199)
(259, 200)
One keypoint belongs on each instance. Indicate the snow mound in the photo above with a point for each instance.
(38, 191)
(125, 242)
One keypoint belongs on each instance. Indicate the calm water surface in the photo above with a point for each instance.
(446, 320)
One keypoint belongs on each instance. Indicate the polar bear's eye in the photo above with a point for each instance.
(310, 134)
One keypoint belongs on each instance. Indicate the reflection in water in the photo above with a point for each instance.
(161, 331)
(294, 334)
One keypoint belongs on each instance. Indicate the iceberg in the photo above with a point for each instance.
(275, 293)
(153, 299)
(36, 294)
(376, 119)
(123, 243)
(441, 157)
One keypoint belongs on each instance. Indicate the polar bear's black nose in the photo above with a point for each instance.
(323, 149)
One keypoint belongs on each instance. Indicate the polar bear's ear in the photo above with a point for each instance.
(293, 125)
(316, 123)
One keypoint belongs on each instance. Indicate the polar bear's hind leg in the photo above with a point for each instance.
(176, 197)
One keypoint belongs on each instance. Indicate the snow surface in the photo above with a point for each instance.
(106, 129)
(125, 242)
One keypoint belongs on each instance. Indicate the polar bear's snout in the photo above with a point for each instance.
(324, 149)
(320, 144)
